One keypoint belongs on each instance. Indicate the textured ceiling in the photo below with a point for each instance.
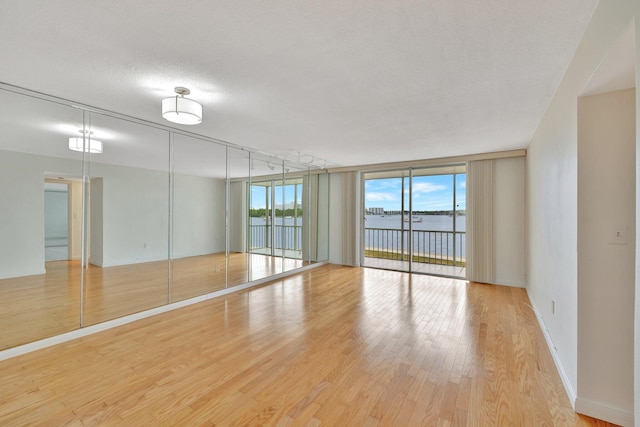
(358, 82)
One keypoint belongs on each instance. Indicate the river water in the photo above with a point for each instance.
(433, 234)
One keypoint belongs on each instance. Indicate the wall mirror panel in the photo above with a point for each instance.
(104, 216)
(238, 257)
(198, 243)
(266, 216)
(128, 220)
(295, 222)
(40, 219)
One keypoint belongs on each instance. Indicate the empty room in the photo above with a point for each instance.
(319, 213)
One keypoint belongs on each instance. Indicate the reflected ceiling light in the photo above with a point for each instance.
(181, 110)
(85, 143)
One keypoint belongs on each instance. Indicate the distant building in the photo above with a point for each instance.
(376, 211)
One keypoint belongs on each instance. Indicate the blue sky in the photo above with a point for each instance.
(429, 193)
(258, 195)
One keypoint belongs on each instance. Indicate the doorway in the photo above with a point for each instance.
(415, 220)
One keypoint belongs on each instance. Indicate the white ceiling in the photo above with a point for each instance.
(358, 82)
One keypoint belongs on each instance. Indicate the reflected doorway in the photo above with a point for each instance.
(62, 219)
(56, 221)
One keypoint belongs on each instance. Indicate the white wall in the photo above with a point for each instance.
(75, 242)
(606, 262)
(237, 216)
(22, 213)
(509, 225)
(135, 214)
(96, 222)
(198, 216)
(552, 185)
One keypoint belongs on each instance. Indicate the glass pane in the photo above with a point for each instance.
(198, 249)
(128, 206)
(437, 227)
(237, 224)
(386, 236)
(41, 219)
(432, 223)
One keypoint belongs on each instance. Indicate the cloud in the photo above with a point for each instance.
(463, 185)
(427, 187)
(379, 197)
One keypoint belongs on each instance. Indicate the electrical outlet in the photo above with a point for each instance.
(146, 245)
(553, 307)
(618, 235)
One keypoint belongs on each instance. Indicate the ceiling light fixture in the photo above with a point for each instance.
(85, 143)
(181, 110)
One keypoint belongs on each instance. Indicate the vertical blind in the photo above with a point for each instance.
(480, 262)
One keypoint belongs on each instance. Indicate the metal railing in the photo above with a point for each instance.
(427, 246)
(286, 237)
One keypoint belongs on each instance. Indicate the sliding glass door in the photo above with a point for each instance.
(415, 220)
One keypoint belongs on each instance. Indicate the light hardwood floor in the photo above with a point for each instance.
(333, 346)
(44, 305)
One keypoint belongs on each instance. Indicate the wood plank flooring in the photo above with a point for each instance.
(334, 346)
(44, 305)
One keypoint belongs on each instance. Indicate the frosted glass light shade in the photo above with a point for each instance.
(184, 111)
(90, 145)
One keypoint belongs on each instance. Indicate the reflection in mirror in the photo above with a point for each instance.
(109, 217)
(126, 261)
(40, 223)
(266, 200)
(294, 225)
(238, 258)
(198, 244)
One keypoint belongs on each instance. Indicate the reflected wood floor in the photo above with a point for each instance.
(335, 346)
(44, 305)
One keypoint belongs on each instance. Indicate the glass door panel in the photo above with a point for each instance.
(385, 230)
(415, 220)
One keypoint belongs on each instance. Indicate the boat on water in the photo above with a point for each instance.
(413, 219)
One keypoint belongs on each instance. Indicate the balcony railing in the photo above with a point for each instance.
(427, 246)
(286, 237)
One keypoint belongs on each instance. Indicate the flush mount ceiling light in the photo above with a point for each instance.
(85, 143)
(182, 110)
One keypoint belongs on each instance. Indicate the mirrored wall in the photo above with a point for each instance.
(104, 216)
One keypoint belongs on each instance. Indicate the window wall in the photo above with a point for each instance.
(415, 220)
(152, 217)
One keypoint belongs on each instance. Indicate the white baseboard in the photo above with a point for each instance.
(603, 412)
(88, 330)
(568, 388)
